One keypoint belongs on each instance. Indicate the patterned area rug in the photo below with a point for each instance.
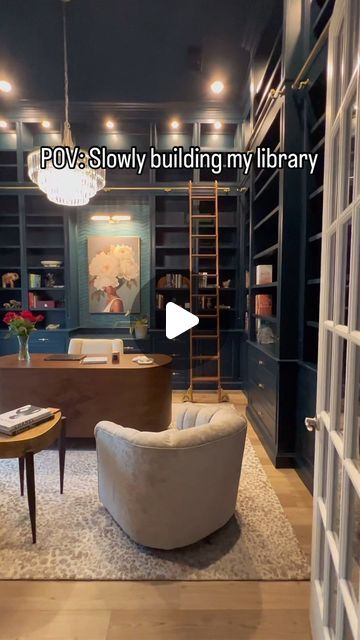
(78, 539)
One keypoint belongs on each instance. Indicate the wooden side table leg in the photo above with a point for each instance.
(21, 474)
(30, 483)
(62, 451)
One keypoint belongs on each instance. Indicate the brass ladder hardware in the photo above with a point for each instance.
(201, 289)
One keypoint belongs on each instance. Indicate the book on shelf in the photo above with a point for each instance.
(160, 301)
(264, 274)
(263, 305)
(174, 280)
(34, 280)
(33, 300)
(18, 420)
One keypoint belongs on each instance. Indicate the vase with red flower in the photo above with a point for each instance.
(22, 325)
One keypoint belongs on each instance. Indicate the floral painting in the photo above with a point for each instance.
(114, 274)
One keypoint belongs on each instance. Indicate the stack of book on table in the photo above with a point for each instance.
(18, 420)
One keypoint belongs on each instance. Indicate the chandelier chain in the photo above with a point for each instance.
(66, 73)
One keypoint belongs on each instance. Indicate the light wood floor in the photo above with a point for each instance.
(169, 610)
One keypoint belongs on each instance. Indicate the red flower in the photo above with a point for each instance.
(27, 315)
(9, 317)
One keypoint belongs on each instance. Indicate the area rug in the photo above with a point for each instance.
(78, 539)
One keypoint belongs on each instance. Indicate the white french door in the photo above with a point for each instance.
(335, 586)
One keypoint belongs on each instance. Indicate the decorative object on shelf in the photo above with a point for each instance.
(203, 280)
(51, 264)
(52, 327)
(12, 304)
(264, 333)
(8, 279)
(140, 328)
(114, 274)
(50, 280)
(264, 274)
(45, 304)
(226, 283)
(34, 280)
(22, 325)
(66, 186)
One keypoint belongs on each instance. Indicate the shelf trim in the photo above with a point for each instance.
(266, 218)
(266, 252)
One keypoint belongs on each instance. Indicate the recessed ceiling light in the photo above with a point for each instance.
(109, 124)
(175, 124)
(217, 86)
(217, 125)
(46, 124)
(5, 86)
(3, 124)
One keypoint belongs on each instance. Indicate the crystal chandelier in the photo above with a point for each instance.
(67, 187)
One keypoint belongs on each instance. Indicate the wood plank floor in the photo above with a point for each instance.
(170, 610)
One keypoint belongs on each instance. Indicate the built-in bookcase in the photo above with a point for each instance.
(10, 255)
(172, 257)
(45, 241)
(314, 108)
(265, 221)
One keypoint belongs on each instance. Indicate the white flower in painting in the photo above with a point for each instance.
(128, 268)
(104, 268)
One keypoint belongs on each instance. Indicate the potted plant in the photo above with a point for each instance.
(140, 328)
(22, 325)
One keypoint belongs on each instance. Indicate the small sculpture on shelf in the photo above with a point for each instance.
(50, 280)
(226, 284)
(12, 304)
(8, 280)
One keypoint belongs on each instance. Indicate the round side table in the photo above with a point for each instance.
(24, 445)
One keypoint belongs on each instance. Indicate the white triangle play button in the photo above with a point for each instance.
(178, 320)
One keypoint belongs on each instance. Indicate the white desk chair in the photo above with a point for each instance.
(95, 346)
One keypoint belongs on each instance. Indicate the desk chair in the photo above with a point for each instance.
(95, 346)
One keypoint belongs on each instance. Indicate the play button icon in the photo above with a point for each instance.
(178, 320)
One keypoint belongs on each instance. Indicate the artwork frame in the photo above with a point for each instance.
(114, 274)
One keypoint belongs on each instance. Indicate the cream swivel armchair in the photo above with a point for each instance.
(95, 346)
(172, 488)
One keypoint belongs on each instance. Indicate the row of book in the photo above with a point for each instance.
(174, 280)
(36, 302)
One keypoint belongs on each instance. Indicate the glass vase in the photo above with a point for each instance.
(24, 354)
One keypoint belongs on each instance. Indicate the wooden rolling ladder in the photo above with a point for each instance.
(204, 285)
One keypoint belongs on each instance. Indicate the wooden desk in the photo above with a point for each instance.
(25, 445)
(130, 394)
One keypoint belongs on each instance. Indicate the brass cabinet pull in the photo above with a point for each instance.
(261, 362)
(261, 386)
(43, 339)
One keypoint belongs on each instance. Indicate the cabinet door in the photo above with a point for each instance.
(47, 342)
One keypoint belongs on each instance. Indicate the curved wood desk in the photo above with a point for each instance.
(130, 394)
